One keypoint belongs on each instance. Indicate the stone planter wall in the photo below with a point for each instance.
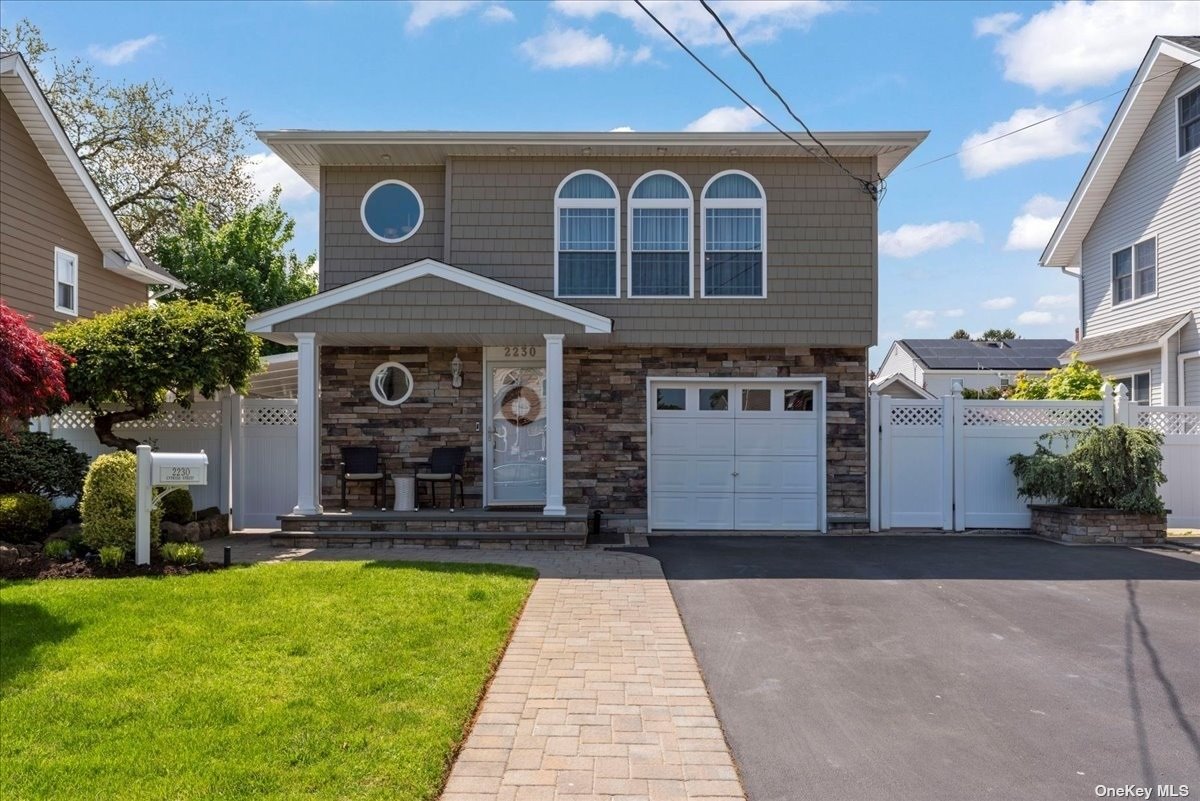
(1096, 526)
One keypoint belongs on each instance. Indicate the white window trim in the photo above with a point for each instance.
(1134, 298)
(1178, 123)
(731, 203)
(74, 312)
(671, 203)
(362, 210)
(613, 203)
(1149, 384)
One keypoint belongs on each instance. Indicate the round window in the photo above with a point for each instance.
(392, 211)
(391, 383)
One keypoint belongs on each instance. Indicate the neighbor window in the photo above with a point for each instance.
(1134, 271)
(735, 212)
(660, 237)
(66, 282)
(391, 211)
(586, 208)
(1138, 385)
(1189, 121)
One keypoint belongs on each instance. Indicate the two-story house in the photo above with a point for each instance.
(1131, 234)
(931, 368)
(62, 252)
(671, 328)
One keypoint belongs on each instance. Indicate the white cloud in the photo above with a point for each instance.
(954, 312)
(1062, 136)
(561, 48)
(1075, 44)
(750, 20)
(1006, 302)
(267, 171)
(121, 52)
(621, 129)
(498, 13)
(1035, 318)
(920, 318)
(913, 240)
(1031, 229)
(1055, 301)
(726, 119)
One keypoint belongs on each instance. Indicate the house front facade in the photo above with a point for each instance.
(62, 252)
(1131, 234)
(932, 368)
(669, 328)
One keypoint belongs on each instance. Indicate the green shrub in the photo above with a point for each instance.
(109, 504)
(56, 549)
(112, 556)
(176, 505)
(23, 516)
(1110, 467)
(42, 465)
(183, 553)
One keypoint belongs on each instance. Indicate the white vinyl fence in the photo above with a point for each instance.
(250, 444)
(944, 463)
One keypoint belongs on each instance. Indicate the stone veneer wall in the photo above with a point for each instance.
(1096, 526)
(604, 413)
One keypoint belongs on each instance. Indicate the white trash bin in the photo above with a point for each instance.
(406, 493)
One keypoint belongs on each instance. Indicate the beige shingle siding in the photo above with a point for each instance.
(821, 247)
(36, 216)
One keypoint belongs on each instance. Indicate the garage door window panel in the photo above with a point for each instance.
(671, 400)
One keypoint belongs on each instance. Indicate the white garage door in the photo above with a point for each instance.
(727, 455)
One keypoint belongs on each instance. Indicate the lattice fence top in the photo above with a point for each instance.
(1170, 421)
(269, 415)
(917, 415)
(172, 417)
(1021, 416)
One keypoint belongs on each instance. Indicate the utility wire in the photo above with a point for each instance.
(869, 186)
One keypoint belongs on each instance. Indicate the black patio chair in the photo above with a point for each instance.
(363, 464)
(445, 465)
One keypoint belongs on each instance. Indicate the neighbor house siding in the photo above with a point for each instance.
(821, 244)
(899, 360)
(1191, 381)
(1148, 362)
(36, 216)
(1157, 195)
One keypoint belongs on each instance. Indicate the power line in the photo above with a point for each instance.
(869, 186)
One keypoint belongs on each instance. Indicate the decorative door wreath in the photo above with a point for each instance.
(521, 406)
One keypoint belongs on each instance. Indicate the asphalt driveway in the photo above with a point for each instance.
(944, 668)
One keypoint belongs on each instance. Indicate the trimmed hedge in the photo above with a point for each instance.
(176, 506)
(109, 505)
(23, 517)
(40, 464)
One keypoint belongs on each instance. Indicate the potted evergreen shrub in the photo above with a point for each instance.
(1103, 487)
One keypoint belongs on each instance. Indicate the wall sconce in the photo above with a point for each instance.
(456, 372)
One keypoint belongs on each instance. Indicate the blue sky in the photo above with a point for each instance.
(960, 238)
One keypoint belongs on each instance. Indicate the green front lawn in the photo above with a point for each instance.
(339, 680)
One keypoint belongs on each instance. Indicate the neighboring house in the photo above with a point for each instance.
(62, 252)
(929, 368)
(1131, 233)
(669, 328)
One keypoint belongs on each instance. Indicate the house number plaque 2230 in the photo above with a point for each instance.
(520, 352)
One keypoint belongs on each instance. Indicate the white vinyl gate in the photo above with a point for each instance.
(944, 463)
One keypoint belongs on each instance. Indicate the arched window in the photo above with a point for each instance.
(585, 236)
(660, 237)
(734, 236)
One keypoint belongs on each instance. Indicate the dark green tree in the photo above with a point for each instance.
(997, 335)
(960, 334)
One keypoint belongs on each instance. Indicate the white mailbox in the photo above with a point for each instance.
(174, 470)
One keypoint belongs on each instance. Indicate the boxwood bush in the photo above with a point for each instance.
(23, 516)
(1109, 467)
(176, 506)
(40, 464)
(109, 505)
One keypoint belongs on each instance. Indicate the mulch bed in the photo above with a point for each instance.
(41, 566)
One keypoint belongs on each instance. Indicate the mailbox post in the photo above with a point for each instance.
(171, 470)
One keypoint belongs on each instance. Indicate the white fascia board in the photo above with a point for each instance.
(592, 323)
(901, 378)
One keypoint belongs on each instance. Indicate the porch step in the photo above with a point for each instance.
(489, 540)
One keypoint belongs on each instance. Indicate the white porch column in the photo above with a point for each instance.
(554, 425)
(308, 432)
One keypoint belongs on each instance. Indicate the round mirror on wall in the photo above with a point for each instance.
(391, 383)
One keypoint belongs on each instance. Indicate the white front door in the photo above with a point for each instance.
(517, 435)
(739, 456)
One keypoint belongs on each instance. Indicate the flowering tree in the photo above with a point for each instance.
(31, 372)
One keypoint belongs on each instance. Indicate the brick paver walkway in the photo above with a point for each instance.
(598, 696)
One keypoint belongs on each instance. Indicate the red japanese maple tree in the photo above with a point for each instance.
(32, 378)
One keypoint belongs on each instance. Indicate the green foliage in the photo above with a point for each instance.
(109, 505)
(41, 464)
(112, 556)
(56, 549)
(997, 335)
(989, 393)
(23, 516)
(1110, 467)
(132, 357)
(1076, 381)
(176, 506)
(183, 553)
(961, 333)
